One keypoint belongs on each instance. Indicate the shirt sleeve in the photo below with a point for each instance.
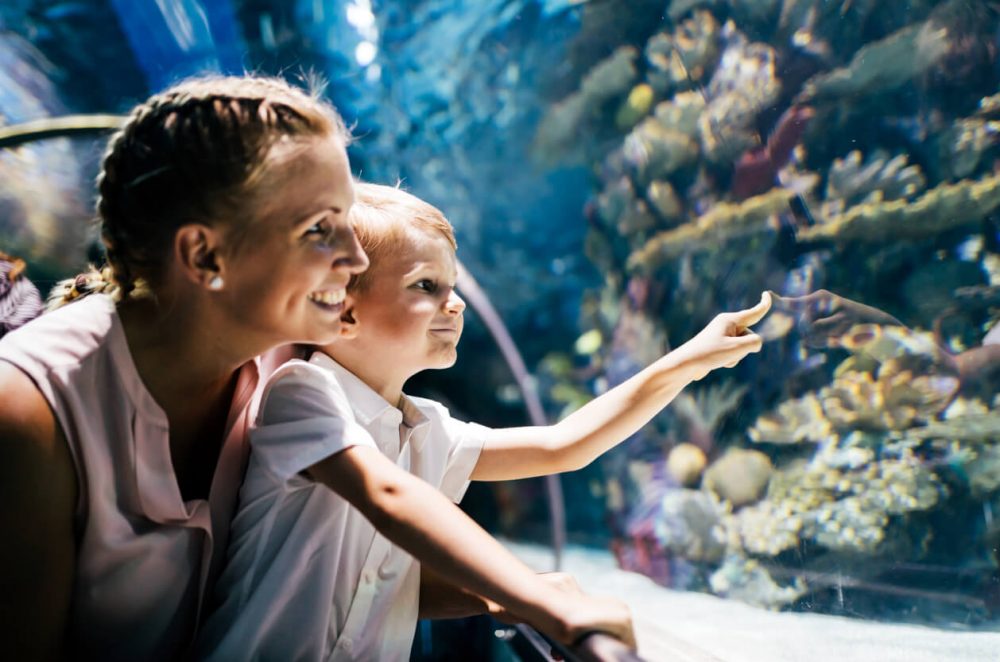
(466, 444)
(304, 418)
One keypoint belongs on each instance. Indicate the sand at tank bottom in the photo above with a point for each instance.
(679, 626)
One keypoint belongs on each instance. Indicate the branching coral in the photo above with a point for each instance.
(895, 380)
(744, 83)
(690, 525)
(683, 58)
(881, 66)
(852, 181)
(655, 151)
(961, 147)
(858, 401)
(794, 422)
(681, 113)
(940, 209)
(745, 580)
(724, 222)
(610, 78)
(768, 528)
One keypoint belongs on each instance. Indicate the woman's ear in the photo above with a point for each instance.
(348, 320)
(196, 249)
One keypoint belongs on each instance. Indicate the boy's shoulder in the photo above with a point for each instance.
(301, 389)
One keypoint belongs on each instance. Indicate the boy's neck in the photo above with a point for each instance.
(390, 388)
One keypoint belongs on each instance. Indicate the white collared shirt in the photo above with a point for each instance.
(307, 576)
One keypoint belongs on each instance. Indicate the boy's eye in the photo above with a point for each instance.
(426, 285)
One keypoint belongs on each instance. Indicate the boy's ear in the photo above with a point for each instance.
(348, 322)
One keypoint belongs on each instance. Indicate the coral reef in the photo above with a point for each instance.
(796, 145)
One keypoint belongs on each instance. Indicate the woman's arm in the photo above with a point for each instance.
(38, 492)
(421, 520)
(608, 420)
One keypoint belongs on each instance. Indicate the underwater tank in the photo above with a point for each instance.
(618, 173)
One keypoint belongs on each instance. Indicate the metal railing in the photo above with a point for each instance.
(533, 646)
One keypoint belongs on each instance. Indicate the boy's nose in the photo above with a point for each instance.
(455, 304)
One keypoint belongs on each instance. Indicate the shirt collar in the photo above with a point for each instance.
(369, 406)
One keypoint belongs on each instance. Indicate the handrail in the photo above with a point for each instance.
(594, 647)
(57, 127)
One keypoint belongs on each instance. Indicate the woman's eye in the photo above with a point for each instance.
(320, 231)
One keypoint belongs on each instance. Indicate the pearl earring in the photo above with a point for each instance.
(216, 283)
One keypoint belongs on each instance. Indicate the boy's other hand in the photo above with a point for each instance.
(587, 614)
(724, 341)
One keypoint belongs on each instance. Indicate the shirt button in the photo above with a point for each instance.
(347, 645)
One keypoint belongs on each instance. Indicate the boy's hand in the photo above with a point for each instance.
(580, 614)
(587, 614)
(725, 341)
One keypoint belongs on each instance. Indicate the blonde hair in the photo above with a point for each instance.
(195, 152)
(384, 217)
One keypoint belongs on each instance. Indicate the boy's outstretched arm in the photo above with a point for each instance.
(421, 520)
(609, 419)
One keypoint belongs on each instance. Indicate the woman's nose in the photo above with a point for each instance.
(354, 257)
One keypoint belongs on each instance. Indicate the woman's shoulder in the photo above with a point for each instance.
(32, 439)
(22, 404)
(62, 337)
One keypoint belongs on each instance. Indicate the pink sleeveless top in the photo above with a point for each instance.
(145, 557)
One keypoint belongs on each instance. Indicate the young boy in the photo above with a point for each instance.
(309, 577)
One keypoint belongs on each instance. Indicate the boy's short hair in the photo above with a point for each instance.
(383, 216)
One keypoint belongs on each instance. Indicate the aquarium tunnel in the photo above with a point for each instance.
(619, 173)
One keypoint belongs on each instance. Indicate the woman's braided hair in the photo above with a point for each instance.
(194, 153)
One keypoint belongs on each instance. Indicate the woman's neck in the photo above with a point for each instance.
(181, 363)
